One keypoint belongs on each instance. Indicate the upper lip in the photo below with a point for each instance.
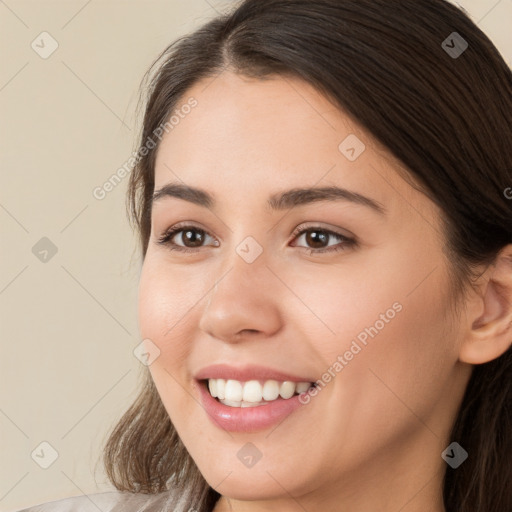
(247, 372)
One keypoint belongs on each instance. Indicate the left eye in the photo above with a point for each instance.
(317, 236)
(313, 235)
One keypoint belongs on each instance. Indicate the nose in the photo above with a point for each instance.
(244, 303)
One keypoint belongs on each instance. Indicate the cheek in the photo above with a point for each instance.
(406, 356)
(390, 327)
(166, 317)
(168, 301)
(396, 357)
(339, 307)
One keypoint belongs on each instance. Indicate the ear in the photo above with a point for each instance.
(489, 333)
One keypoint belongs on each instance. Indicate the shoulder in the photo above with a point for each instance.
(104, 501)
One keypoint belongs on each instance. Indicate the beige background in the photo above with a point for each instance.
(69, 324)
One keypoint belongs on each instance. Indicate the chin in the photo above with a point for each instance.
(261, 482)
(243, 485)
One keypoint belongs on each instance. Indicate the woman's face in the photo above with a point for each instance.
(366, 319)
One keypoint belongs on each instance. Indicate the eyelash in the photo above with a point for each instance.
(346, 242)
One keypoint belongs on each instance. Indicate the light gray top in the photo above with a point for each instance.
(113, 501)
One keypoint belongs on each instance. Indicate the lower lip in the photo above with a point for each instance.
(247, 419)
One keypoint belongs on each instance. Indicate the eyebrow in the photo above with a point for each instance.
(280, 201)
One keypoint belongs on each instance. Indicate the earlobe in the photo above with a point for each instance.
(489, 334)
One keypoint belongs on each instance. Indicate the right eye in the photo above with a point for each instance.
(190, 234)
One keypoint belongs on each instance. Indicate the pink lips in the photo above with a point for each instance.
(250, 372)
(246, 419)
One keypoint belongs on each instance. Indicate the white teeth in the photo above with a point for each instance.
(234, 390)
(212, 386)
(252, 393)
(271, 390)
(221, 387)
(302, 386)
(231, 403)
(287, 389)
(236, 403)
(250, 404)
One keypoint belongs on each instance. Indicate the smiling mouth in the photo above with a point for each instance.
(253, 393)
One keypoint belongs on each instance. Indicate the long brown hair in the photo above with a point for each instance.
(446, 117)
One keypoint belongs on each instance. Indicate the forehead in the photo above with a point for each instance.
(245, 134)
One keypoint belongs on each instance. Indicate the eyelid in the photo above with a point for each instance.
(318, 226)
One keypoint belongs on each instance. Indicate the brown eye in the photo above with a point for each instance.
(317, 238)
(191, 237)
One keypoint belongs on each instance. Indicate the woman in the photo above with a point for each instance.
(323, 198)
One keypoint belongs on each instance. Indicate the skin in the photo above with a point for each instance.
(372, 438)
